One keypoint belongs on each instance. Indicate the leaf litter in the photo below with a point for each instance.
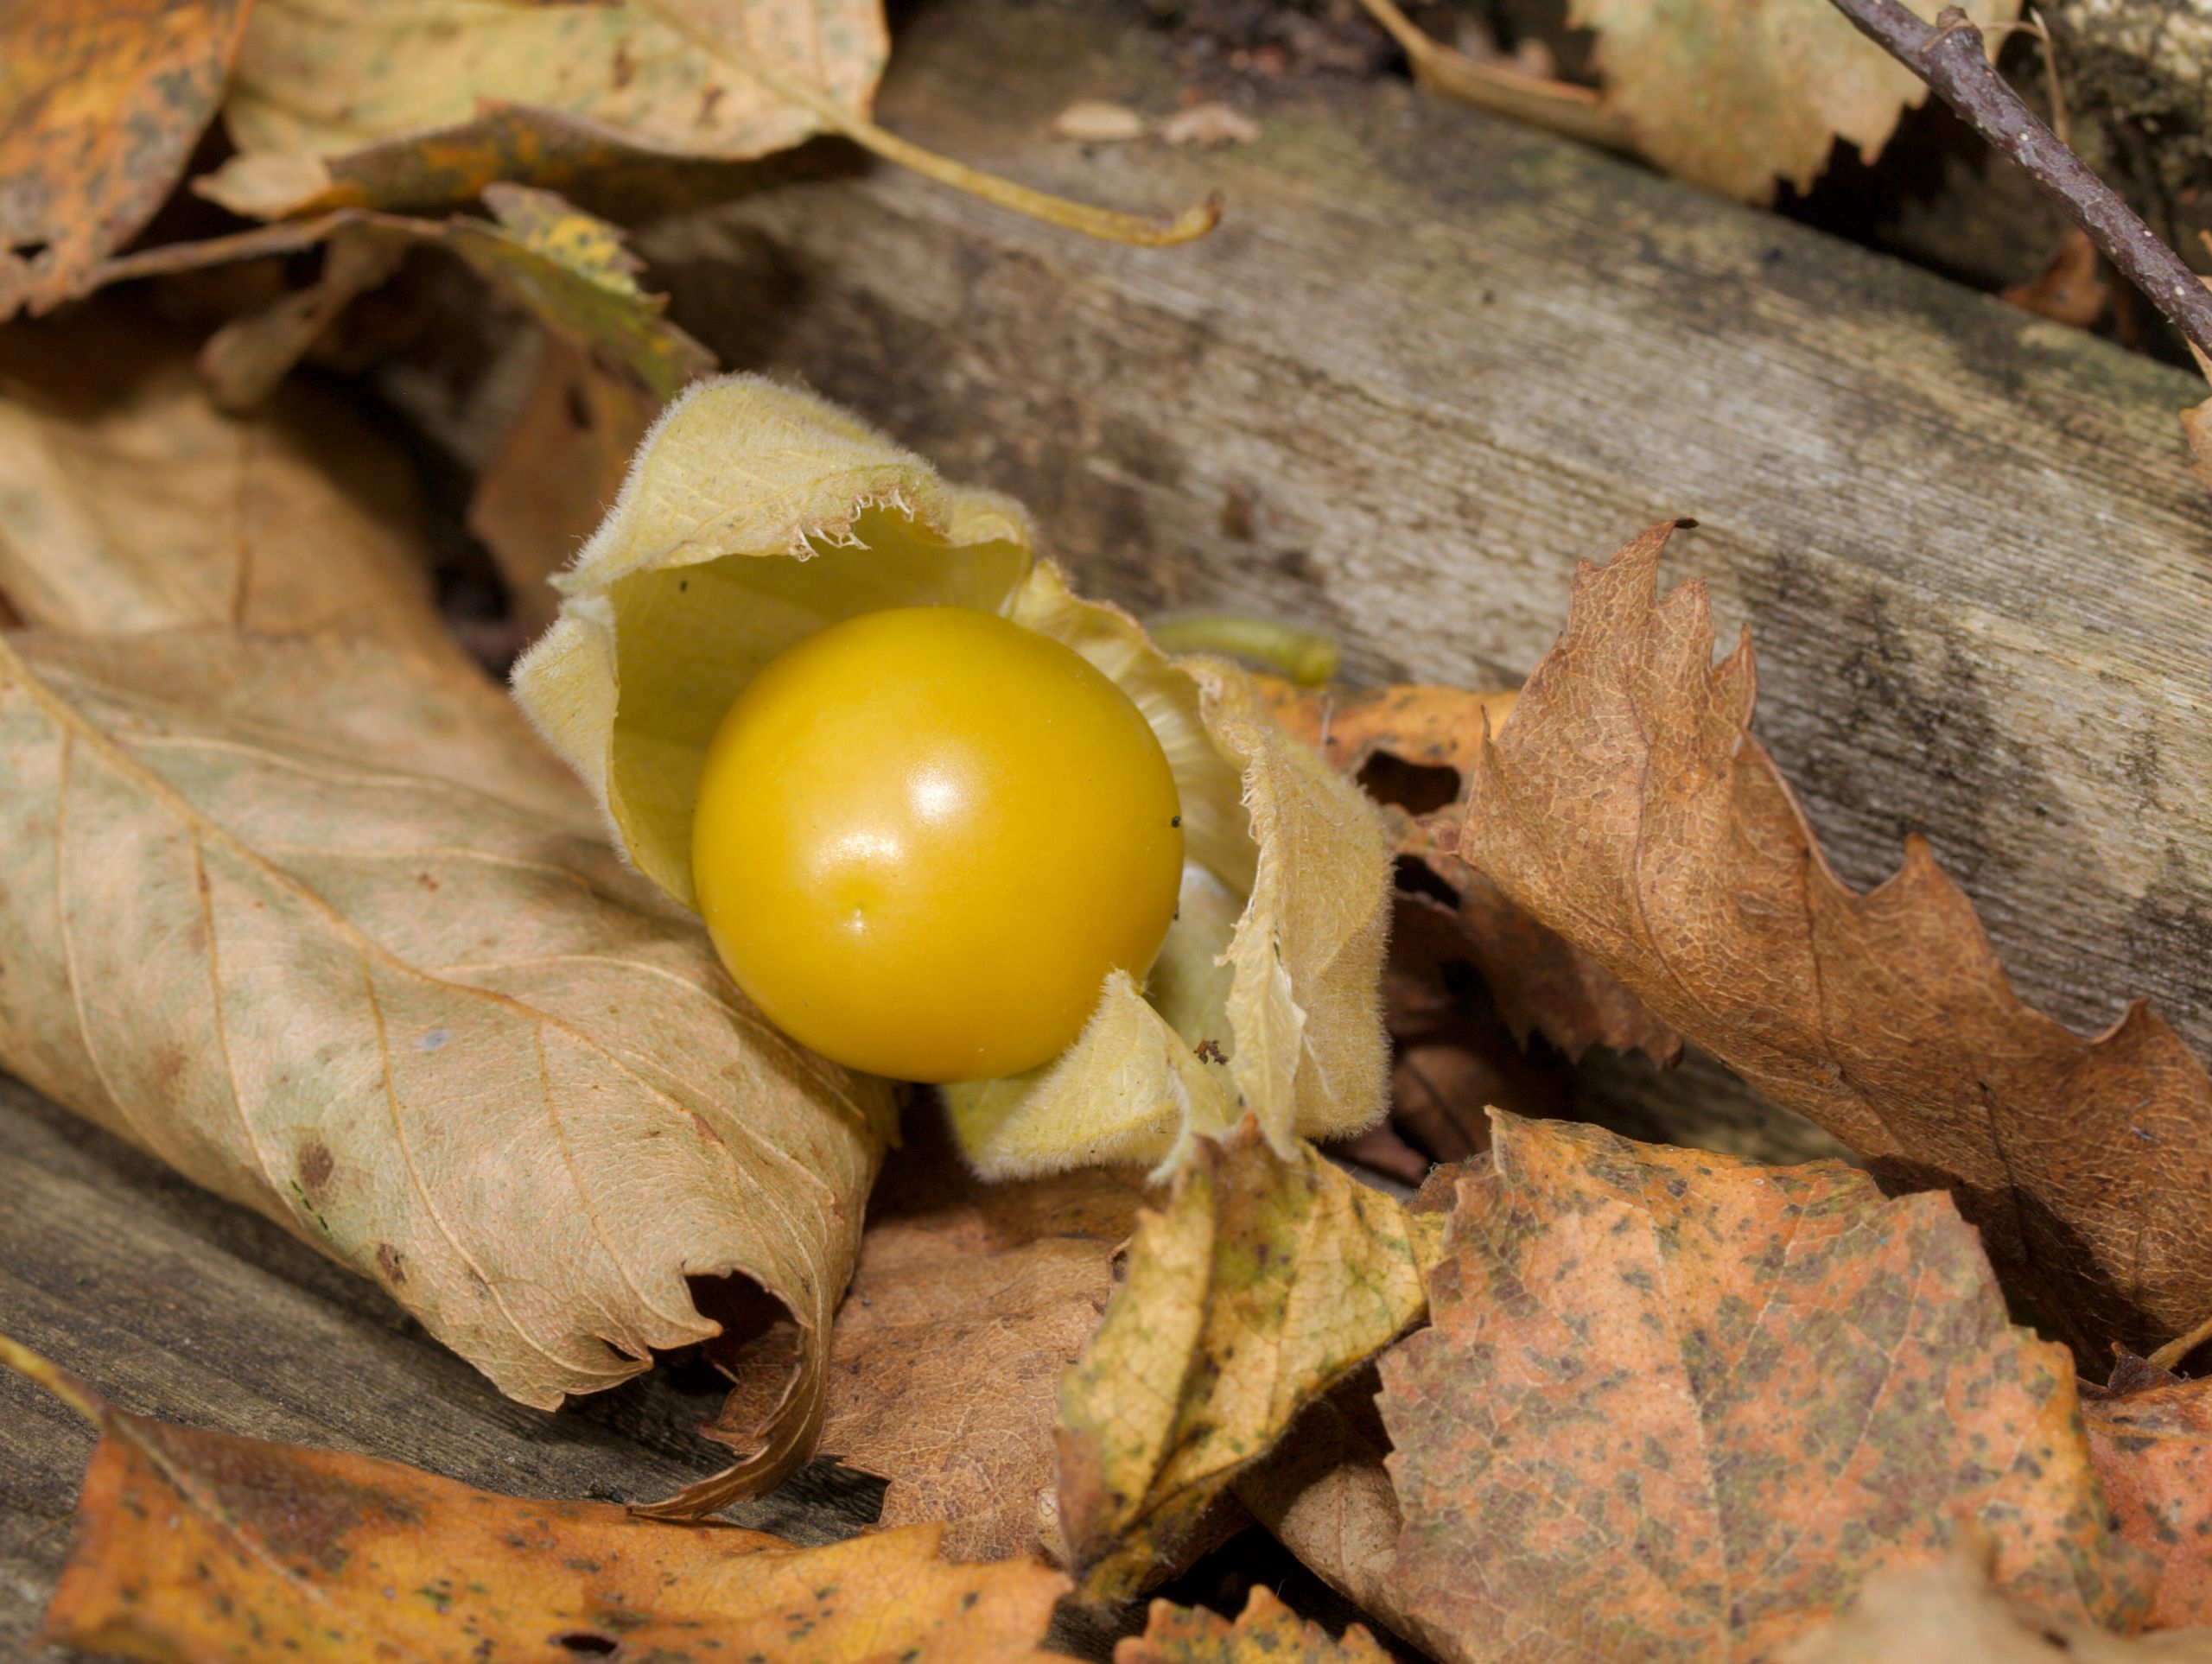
(1692, 1403)
(1234, 1368)
(1260, 1283)
(374, 972)
(969, 1302)
(193, 1546)
(1627, 807)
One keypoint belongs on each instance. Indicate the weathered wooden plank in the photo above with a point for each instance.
(176, 1304)
(1431, 359)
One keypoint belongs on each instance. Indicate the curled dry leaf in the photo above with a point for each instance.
(1504, 88)
(1949, 1611)
(970, 1303)
(245, 360)
(105, 100)
(1693, 1403)
(192, 1546)
(570, 271)
(129, 502)
(2151, 1441)
(1265, 1629)
(1326, 1494)
(1259, 1284)
(368, 103)
(1415, 748)
(1730, 95)
(331, 943)
(754, 515)
(1627, 807)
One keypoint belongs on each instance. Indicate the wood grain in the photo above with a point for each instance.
(173, 1303)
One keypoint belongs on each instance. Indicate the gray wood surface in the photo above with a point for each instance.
(1427, 362)
(174, 1304)
(1432, 360)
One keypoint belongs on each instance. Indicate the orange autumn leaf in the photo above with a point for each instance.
(1627, 807)
(194, 1548)
(1426, 725)
(107, 99)
(2151, 1438)
(1266, 1630)
(1676, 1406)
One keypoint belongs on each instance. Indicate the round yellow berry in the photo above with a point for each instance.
(924, 836)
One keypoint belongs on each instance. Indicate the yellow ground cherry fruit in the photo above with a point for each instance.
(924, 836)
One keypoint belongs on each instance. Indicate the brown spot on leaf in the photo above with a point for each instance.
(316, 1164)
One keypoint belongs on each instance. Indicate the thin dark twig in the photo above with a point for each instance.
(1950, 57)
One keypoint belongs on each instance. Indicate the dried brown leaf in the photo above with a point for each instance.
(571, 271)
(1265, 1630)
(2070, 289)
(245, 360)
(105, 99)
(970, 1303)
(195, 1546)
(1544, 984)
(1505, 89)
(1627, 807)
(556, 473)
(1415, 748)
(1326, 1494)
(312, 924)
(1673, 1404)
(1731, 94)
(129, 502)
(376, 103)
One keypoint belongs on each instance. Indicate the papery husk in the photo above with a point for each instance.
(755, 515)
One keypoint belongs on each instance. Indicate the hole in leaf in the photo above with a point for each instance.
(1414, 877)
(585, 1644)
(1417, 788)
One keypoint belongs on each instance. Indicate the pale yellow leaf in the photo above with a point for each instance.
(406, 103)
(1262, 1281)
(294, 915)
(1734, 94)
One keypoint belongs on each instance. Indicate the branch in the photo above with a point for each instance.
(1950, 57)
